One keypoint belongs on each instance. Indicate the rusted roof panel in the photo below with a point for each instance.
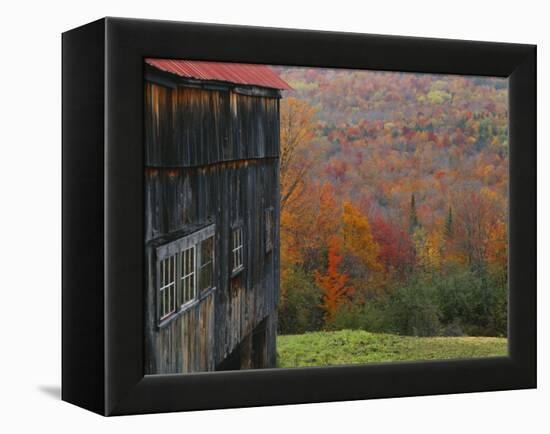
(238, 73)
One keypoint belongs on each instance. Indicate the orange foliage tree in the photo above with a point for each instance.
(297, 130)
(328, 218)
(333, 283)
(476, 214)
(358, 239)
(297, 219)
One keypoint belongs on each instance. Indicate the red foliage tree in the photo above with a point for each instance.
(395, 251)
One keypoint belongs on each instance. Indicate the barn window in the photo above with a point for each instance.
(237, 250)
(185, 272)
(206, 272)
(187, 279)
(269, 230)
(168, 286)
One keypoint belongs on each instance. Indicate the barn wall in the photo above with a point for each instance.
(184, 345)
(180, 200)
(187, 126)
(190, 183)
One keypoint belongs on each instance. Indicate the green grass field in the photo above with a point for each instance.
(357, 346)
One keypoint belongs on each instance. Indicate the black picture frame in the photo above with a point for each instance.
(103, 221)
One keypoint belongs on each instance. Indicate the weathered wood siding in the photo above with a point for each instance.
(212, 157)
(194, 127)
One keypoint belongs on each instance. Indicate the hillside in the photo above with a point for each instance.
(394, 197)
(380, 137)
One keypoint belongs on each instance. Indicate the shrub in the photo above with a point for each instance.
(461, 296)
(300, 310)
(498, 323)
(452, 329)
(411, 309)
(478, 302)
(414, 309)
(370, 316)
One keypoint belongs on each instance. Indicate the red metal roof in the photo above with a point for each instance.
(239, 73)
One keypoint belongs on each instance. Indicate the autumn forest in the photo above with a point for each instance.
(393, 203)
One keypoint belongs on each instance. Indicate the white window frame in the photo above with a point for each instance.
(168, 286)
(237, 250)
(174, 252)
(188, 277)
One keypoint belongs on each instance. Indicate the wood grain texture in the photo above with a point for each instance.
(187, 126)
(212, 158)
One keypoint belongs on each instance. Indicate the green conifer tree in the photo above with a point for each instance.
(448, 230)
(413, 218)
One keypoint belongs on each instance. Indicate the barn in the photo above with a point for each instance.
(212, 215)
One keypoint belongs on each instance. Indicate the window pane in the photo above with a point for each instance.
(206, 277)
(187, 278)
(172, 298)
(183, 274)
(202, 278)
(186, 286)
(207, 247)
(206, 264)
(173, 268)
(168, 294)
(237, 255)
